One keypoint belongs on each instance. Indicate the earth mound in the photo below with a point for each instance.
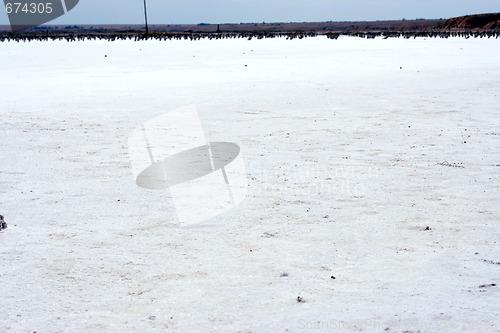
(481, 21)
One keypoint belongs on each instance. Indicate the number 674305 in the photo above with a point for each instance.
(28, 8)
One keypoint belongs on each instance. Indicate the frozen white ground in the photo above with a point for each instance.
(352, 149)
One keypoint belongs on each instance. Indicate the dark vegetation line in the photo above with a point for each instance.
(73, 37)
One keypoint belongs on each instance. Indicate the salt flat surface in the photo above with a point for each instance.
(353, 148)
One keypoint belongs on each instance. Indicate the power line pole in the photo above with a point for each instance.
(146, 17)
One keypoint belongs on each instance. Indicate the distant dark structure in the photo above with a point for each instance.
(3, 225)
(146, 17)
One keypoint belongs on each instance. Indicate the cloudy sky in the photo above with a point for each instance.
(236, 11)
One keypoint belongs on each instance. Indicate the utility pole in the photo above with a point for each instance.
(146, 17)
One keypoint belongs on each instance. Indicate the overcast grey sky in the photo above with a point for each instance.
(236, 11)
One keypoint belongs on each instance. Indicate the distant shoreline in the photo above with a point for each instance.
(484, 25)
(401, 25)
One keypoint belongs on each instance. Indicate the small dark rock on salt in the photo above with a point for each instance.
(3, 225)
(487, 285)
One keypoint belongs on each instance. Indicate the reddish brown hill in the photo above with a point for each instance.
(482, 21)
